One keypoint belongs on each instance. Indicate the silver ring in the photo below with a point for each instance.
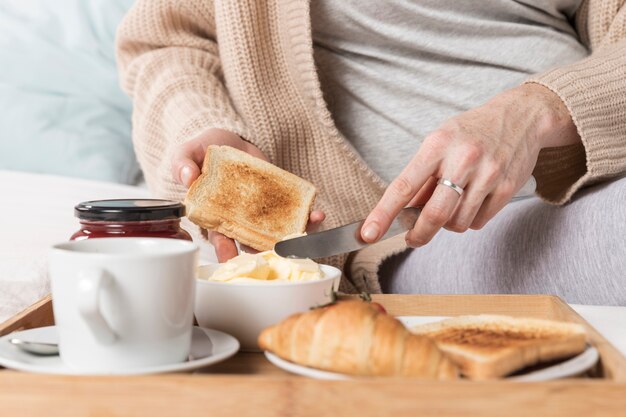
(448, 183)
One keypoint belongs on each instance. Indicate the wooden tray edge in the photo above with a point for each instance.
(617, 371)
(36, 315)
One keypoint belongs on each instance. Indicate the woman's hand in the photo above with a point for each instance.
(490, 152)
(186, 166)
(188, 158)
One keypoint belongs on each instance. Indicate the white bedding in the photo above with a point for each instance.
(37, 211)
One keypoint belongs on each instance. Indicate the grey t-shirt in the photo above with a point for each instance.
(392, 71)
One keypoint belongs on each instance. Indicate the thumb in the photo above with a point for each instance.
(185, 171)
(315, 220)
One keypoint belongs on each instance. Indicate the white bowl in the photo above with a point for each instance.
(245, 309)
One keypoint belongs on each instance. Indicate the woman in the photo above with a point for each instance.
(382, 105)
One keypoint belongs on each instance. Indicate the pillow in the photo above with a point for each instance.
(61, 109)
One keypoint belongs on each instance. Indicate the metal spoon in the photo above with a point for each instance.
(36, 348)
(200, 348)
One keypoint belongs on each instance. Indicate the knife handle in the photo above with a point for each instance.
(528, 190)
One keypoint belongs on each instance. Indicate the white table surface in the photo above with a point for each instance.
(37, 212)
(610, 321)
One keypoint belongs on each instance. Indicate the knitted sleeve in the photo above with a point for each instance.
(169, 64)
(594, 91)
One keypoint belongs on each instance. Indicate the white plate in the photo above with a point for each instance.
(571, 367)
(207, 347)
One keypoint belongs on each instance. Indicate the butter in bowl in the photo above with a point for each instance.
(252, 292)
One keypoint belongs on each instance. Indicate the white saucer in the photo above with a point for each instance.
(571, 367)
(207, 347)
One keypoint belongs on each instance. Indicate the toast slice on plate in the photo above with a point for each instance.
(248, 199)
(492, 346)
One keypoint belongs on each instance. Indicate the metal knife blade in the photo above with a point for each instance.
(342, 239)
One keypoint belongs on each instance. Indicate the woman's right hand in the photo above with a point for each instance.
(186, 166)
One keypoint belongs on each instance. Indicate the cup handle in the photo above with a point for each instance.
(90, 284)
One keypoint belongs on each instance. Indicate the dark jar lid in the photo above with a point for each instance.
(131, 210)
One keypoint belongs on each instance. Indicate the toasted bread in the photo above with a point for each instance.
(491, 346)
(248, 199)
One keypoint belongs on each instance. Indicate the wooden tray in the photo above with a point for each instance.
(248, 385)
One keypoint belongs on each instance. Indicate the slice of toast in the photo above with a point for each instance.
(248, 199)
(491, 346)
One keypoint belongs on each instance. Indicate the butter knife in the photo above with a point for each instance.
(347, 238)
(342, 239)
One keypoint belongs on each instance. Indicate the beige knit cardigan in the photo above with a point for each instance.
(247, 66)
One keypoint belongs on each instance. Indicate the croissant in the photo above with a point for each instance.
(353, 337)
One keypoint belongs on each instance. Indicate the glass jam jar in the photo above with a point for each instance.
(130, 218)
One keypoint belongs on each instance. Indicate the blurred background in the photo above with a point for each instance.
(61, 108)
(65, 132)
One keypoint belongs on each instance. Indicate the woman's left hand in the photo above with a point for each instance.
(490, 152)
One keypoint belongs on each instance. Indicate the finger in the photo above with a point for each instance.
(473, 199)
(315, 220)
(186, 162)
(424, 193)
(225, 247)
(195, 150)
(185, 171)
(466, 210)
(434, 215)
(399, 193)
(493, 203)
(247, 249)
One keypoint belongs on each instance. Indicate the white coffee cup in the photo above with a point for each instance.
(123, 302)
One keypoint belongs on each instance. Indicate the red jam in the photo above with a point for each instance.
(130, 218)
